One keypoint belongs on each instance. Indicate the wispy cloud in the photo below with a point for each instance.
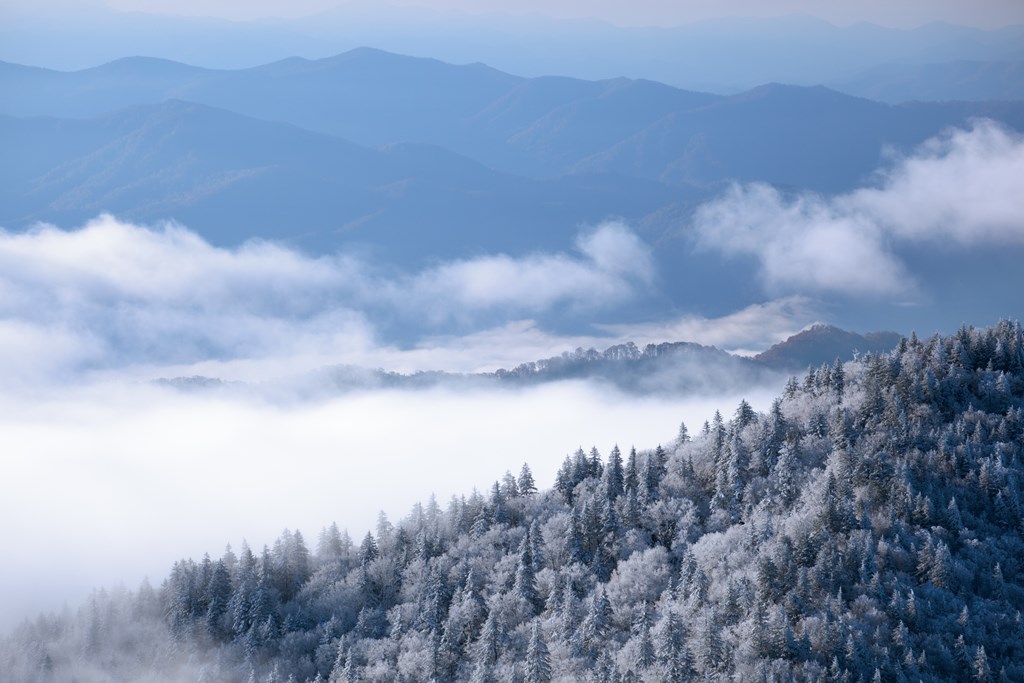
(755, 327)
(966, 186)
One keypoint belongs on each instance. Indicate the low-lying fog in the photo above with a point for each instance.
(112, 484)
(106, 478)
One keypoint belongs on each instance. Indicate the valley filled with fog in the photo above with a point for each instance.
(511, 342)
(109, 485)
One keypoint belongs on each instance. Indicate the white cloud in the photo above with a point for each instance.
(611, 265)
(966, 186)
(753, 328)
(113, 295)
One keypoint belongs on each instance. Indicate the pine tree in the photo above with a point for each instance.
(525, 582)
(595, 625)
(672, 648)
(569, 608)
(526, 484)
(538, 660)
(683, 436)
(218, 597)
(483, 673)
(573, 540)
(838, 379)
(613, 476)
(368, 551)
(982, 672)
(536, 545)
(745, 415)
(710, 650)
(783, 476)
(491, 642)
(631, 475)
(509, 486)
(594, 467)
(644, 654)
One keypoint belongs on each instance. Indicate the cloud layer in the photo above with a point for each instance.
(97, 470)
(107, 484)
(964, 188)
(113, 294)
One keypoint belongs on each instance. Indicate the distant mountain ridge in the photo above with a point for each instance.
(956, 80)
(822, 343)
(414, 162)
(665, 368)
(720, 55)
(539, 127)
(232, 177)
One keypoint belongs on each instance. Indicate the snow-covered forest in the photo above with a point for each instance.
(868, 527)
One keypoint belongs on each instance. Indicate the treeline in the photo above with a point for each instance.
(867, 527)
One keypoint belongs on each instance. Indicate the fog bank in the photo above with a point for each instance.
(106, 485)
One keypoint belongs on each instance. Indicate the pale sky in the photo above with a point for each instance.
(895, 13)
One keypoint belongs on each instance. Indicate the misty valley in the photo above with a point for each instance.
(460, 341)
(867, 525)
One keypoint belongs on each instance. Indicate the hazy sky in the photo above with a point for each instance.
(897, 13)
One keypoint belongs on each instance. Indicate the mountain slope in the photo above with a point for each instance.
(232, 177)
(868, 525)
(820, 344)
(959, 80)
(812, 138)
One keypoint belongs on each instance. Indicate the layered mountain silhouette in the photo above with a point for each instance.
(232, 177)
(944, 81)
(541, 127)
(721, 55)
(417, 161)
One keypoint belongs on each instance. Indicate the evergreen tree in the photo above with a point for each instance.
(525, 582)
(672, 648)
(631, 475)
(538, 660)
(614, 481)
(527, 486)
(218, 597)
(644, 654)
(491, 642)
(683, 436)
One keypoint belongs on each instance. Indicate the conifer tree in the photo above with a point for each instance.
(613, 476)
(527, 486)
(538, 660)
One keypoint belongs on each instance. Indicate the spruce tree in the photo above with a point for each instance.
(538, 660)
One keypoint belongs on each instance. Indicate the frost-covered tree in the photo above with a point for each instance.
(538, 659)
(867, 527)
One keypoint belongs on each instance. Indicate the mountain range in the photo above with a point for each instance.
(414, 162)
(724, 55)
(809, 137)
(232, 178)
(676, 368)
(367, 146)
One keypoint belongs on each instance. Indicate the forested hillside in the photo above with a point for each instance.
(868, 527)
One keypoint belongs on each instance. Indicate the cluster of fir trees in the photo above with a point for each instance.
(867, 527)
